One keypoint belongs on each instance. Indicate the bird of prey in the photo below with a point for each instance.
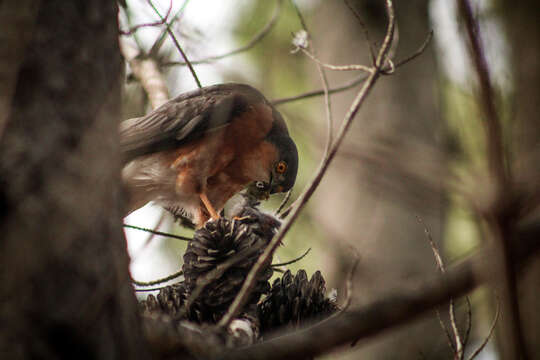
(196, 151)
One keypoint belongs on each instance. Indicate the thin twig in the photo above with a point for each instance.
(283, 202)
(179, 237)
(458, 348)
(293, 260)
(254, 41)
(469, 323)
(324, 82)
(449, 338)
(132, 29)
(491, 329)
(349, 284)
(313, 93)
(158, 281)
(155, 228)
(364, 30)
(242, 296)
(178, 47)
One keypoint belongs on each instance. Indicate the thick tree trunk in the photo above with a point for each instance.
(64, 283)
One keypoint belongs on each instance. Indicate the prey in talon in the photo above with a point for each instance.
(196, 151)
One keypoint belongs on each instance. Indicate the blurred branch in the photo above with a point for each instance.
(500, 214)
(254, 41)
(245, 291)
(155, 23)
(396, 309)
(17, 19)
(177, 45)
(146, 70)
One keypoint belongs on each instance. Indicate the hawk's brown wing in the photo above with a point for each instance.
(185, 118)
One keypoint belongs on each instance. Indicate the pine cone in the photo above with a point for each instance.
(294, 300)
(216, 245)
(170, 300)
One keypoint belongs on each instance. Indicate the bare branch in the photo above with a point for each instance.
(254, 41)
(310, 94)
(356, 81)
(155, 232)
(306, 194)
(158, 281)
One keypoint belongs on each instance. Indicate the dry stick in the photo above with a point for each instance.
(500, 226)
(484, 343)
(458, 348)
(254, 41)
(179, 237)
(157, 281)
(132, 29)
(177, 45)
(352, 67)
(242, 296)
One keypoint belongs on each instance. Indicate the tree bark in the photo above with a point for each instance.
(64, 283)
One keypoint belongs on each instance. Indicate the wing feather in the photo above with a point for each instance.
(185, 118)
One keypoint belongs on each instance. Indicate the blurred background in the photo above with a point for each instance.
(412, 161)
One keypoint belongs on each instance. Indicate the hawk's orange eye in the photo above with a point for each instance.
(281, 167)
